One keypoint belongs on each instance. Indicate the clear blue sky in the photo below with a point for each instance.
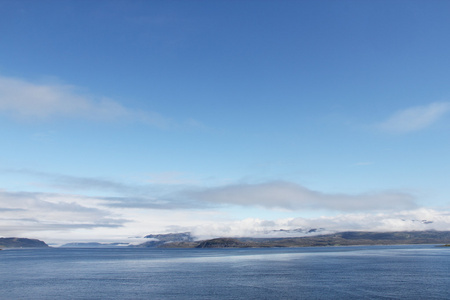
(124, 118)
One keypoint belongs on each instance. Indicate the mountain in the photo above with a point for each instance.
(222, 243)
(157, 240)
(175, 237)
(21, 243)
(348, 238)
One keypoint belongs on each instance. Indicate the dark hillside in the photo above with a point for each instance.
(222, 243)
(21, 243)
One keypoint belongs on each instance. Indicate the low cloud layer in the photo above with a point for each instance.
(415, 118)
(290, 196)
(417, 219)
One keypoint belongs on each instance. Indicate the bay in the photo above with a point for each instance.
(362, 272)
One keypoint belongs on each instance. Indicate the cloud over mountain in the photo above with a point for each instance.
(415, 219)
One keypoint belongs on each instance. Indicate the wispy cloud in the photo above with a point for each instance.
(161, 203)
(26, 100)
(50, 210)
(415, 118)
(149, 183)
(76, 183)
(286, 195)
(159, 193)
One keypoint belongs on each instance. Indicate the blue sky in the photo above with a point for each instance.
(124, 118)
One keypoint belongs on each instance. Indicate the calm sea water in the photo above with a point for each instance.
(376, 272)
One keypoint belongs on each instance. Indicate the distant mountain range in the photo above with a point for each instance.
(348, 238)
(185, 240)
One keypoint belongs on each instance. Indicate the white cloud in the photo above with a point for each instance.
(26, 100)
(60, 218)
(22, 211)
(415, 118)
(156, 193)
(417, 219)
(65, 217)
(169, 191)
(286, 195)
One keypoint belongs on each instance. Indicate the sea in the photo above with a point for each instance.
(357, 272)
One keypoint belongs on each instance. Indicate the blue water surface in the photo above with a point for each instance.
(369, 272)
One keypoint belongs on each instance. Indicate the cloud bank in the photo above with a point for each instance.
(291, 196)
(417, 219)
(415, 118)
(269, 195)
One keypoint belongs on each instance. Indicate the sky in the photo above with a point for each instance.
(120, 119)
